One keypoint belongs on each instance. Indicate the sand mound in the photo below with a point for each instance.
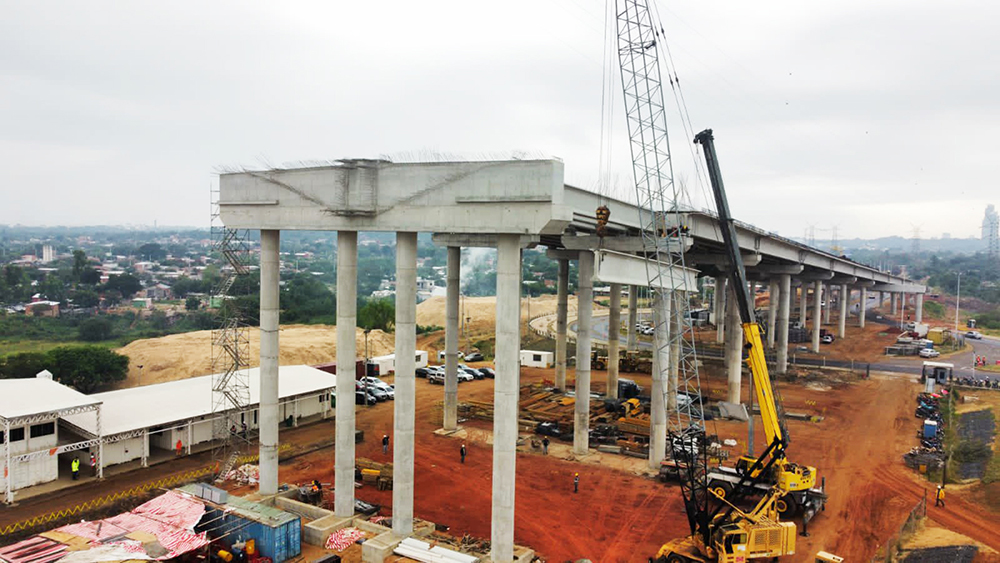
(180, 356)
(482, 310)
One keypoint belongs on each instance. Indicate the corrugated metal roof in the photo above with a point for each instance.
(176, 401)
(35, 395)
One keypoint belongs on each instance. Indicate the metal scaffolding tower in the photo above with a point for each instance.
(991, 233)
(230, 347)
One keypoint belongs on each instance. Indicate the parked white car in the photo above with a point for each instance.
(377, 383)
(929, 353)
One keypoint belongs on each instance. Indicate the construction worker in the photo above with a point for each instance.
(179, 447)
(545, 445)
(93, 463)
(462, 452)
(385, 444)
(576, 483)
(75, 467)
(939, 497)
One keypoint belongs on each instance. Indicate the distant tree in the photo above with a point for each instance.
(85, 298)
(90, 276)
(95, 329)
(185, 285)
(152, 251)
(79, 263)
(377, 314)
(126, 284)
(24, 364)
(87, 368)
(305, 299)
(192, 303)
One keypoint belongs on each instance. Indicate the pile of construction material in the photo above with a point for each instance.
(371, 472)
(246, 474)
(538, 404)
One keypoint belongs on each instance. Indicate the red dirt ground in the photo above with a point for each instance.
(620, 517)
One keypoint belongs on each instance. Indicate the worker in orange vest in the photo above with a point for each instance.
(180, 446)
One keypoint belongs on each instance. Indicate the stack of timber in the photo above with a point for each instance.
(539, 404)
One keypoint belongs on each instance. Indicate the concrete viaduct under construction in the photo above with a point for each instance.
(508, 205)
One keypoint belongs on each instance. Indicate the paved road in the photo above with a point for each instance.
(989, 347)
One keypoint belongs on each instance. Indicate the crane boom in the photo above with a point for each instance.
(752, 342)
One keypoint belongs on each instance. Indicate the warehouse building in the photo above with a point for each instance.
(47, 424)
(147, 422)
(31, 410)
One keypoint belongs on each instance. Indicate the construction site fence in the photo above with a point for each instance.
(890, 550)
(61, 516)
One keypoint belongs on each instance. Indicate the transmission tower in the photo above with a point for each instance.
(230, 346)
(915, 246)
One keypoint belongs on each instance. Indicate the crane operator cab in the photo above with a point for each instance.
(789, 477)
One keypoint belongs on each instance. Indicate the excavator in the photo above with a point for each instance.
(720, 531)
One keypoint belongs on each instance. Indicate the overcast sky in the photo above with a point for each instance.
(872, 116)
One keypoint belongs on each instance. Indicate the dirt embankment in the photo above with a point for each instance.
(180, 356)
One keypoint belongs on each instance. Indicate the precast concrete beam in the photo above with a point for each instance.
(614, 335)
(453, 292)
(811, 276)
(270, 242)
(628, 244)
(506, 394)
(404, 405)
(584, 314)
(562, 306)
(347, 321)
(626, 269)
(559, 254)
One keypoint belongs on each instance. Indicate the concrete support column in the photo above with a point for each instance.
(585, 297)
(803, 301)
(784, 304)
(404, 406)
(614, 334)
(828, 299)
(144, 459)
(881, 298)
(734, 346)
(347, 353)
(893, 302)
(862, 306)
(719, 299)
(772, 310)
(676, 330)
(845, 301)
(190, 433)
(451, 339)
(270, 240)
(562, 307)
(902, 305)
(631, 342)
(918, 307)
(506, 394)
(661, 360)
(817, 292)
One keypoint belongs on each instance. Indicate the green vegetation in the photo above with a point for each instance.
(88, 369)
(933, 309)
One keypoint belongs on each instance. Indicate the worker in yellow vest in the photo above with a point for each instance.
(939, 497)
(75, 466)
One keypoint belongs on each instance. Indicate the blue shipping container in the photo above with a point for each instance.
(277, 534)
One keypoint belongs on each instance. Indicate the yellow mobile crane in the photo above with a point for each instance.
(797, 482)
